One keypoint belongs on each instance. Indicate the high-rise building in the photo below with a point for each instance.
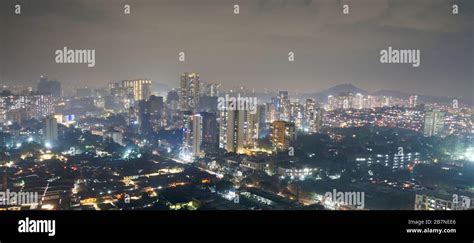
(122, 98)
(172, 100)
(200, 135)
(197, 135)
(155, 105)
(208, 104)
(141, 88)
(284, 108)
(231, 132)
(387, 101)
(213, 90)
(315, 120)
(272, 111)
(189, 92)
(309, 107)
(50, 130)
(313, 117)
(262, 120)
(425, 202)
(345, 100)
(282, 135)
(51, 87)
(41, 105)
(142, 117)
(148, 114)
(5, 140)
(413, 101)
(210, 135)
(297, 114)
(192, 135)
(332, 103)
(22, 107)
(434, 123)
(358, 101)
(155, 109)
(371, 101)
(251, 129)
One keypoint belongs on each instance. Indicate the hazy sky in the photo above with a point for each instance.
(247, 49)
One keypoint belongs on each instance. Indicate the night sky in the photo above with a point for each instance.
(248, 49)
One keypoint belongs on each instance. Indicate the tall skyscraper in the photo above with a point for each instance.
(251, 128)
(332, 103)
(50, 130)
(312, 117)
(154, 105)
(358, 101)
(413, 101)
(284, 106)
(192, 135)
(172, 100)
(143, 117)
(315, 120)
(51, 87)
(189, 92)
(210, 135)
(309, 107)
(262, 120)
(434, 123)
(282, 135)
(231, 132)
(297, 114)
(197, 134)
(141, 88)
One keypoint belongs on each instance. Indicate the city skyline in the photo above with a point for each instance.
(119, 116)
(224, 49)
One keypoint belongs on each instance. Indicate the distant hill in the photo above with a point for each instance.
(343, 88)
(335, 90)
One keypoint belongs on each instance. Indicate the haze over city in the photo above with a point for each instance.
(249, 49)
(236, 105)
